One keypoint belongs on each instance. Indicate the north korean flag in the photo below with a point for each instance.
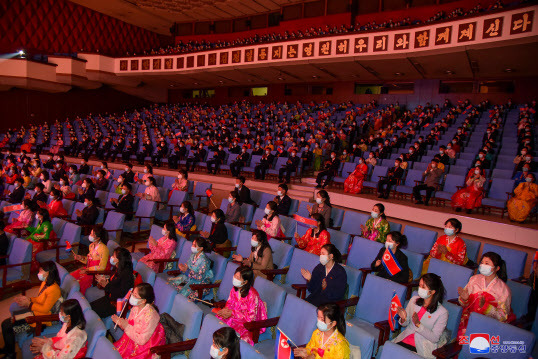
(283, 348)
(391, 264)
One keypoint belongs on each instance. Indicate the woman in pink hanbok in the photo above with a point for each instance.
(163, 248)
(142, 329)
(24, 219)
(487, 293)
(243, 305)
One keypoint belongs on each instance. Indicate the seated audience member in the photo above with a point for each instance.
(524, 199)
(151, 193)
(353, 183)
(449, 247)
(533, 283)
(330, 336)
(55, 207)
(71, 341)
(125, 202)
(265, 163)
(84, 169)
(243, 191)
(185, 221)
(118, 187)
(424, 333)
(18, 193)
(115, 286)
(431, 177)
(39, 195)
(270, 222)
(291, 165)
(314, 238)
(233, 209)
(181, 183)
(218, 237)
(395, 241)
(90, 213)
(330, 171)
(199, 154)
(128, 175)
(282, 200)
(24, 219)
(148, 172)
(49, 293)
(87, 190)
(64, 187)
(214, 164)
(240, 161)
(40, 235)
(486, 293)
(141, 329)
(322, 206)
(225, 344)
(393, 177)
(162, 248)
(4, 244)
(97, 258)
(101, 183)
(377, 227)
(27, 179)
(327, 282)
(243, 305)
(72, 174)
(261, 255)
(471, 196)
(197, 270)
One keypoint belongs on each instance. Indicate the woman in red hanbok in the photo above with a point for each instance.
(353, 184)
(470, 197)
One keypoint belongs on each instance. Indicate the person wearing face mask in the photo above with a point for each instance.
(125, 202)
(282, 200)
(521, 176)
(424, 333)
(41, 234)
(18, 192)
(185, 220)
(151, 193)
(393, 177)
(160, 153)
(371, 160)
(395, 241)
(25, 218)
(331, 170)
(198, 155)
(39, 195)
(70, 341)
(266, 162)
(181, 183)
(327, 282)
(243, 191)
(233, 208)
(354, 182)
(101, 183)
(322, 206)
(45, 180)
(84, 169)
(243, 305)
(430, 183)
(218, 236)
(328, 340)
(197, 270)
(449, 247)
(48, 295)
(523, 200)
(162, 248)
(270, 223)
(146, 151)
(118, 187)
(65, 189)
(90, 213)
(96, 260)
(86, 190)
(225, 344)
(470, 197)
(141, 329)
(291, 165)
(376, 227)
(486, 292)
(240, 161)
(55, 206)
(214, 164)
(314, 238)
(261, 255)
(128, 176)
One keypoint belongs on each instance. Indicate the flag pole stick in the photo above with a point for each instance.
(205, 302)
(124, 306)
(295, 345)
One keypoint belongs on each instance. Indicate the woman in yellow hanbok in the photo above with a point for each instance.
(526, 195)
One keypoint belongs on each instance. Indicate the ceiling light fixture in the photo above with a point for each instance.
(508, 70)
(449, 72)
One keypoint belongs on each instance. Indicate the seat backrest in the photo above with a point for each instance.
(453, 276)
(358, 336)
(337, 215)
(71, 233)
(363, 251)
(146, 208)
(226, 284)
(114, 221)
(354, 277)
(395, 226)
(205, 339)
(340, 240)
(391, 351)
(521, 294)
(84, 304)
(94, 329)
(302, 210)
(148, 276)
(282, 253)
(219, 265)
(454, 318)
(515, 260)
(419, 240)
(412, 176)
(105, 349)
(415, 262)
(378, 171)
(296, 311)
(300, 259)
(472, 247)
(58, 226)
(62, 272)
(352, 221)
(108, 204)
(244, 247)
(479, 323)
(272, 295)
(247, 211)
(164, 295)
(69, 205)
(452, 182)
(156, 231)
(375, 298)
(78, 206)
(69, 285)
(248, 351)
(168, 181)
(187, 312)
(233, 233)
(102, 195)
(499, 187)
(201, 187)
(200, 219)
(264, 199)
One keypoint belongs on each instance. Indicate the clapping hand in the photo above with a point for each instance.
(259, 223)
(204, 234)
(309, 208)
(225, 313)
(306, 274)
(300, 352)
(463, 293)
(402, 313)
(442, 249)
(37, 344)
(182, 267)
(415, 319)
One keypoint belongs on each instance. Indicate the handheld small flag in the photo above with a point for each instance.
(283, 348)
(13, 208)
(209, 193)
(121, 304)
(391, 264)
(136, 177)
(535, 257)
(304, 220)
(68, 247)
(393, 312)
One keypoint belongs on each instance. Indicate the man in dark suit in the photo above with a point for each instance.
(392, 178)
(265, 163)
(128, 175)
(179, 154)
(124, 203)
(290, 166)
(84, 169)
(240, 161)
(242, 191)
(162, 151)
(283, 201)
(331, 169)
(130, 149)
(213, 164)
(198, 156)
(39, 195)
(18, 193)
(60, 171)
(147, 151)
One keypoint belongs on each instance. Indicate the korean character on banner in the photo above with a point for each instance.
(380, 43)
(522, 22)
(277, 52)
(342, 46)
(466, 32)
(401, 42)
(249, 55)
(236, 56)
(422, 38)
(308, 49)
(361, 44)
(292, 51)
(492, 28)
(324, 48)
(223, 58)
(262, 54)
(442, 35)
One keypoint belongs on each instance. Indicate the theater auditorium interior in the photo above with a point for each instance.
(335, 179)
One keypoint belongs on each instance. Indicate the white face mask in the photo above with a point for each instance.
(476, 172)
(389, 245)
(230, 199)
(134, 301)
(84, 185)
(237, 283)
(254, 243)
(237, 185)
(113, 261)
(41, 277)
(279, 193)
(423, 293)
(267, 211)
(318, 200)
(91, 238)
(214, 352)
(324, 259)
(485, 269)
(182, 209)
(164, 232)
(194, 249)
(213, 219)
(145, 170)
(374, 214)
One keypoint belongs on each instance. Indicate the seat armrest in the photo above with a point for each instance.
(200, 288)
(301, 290)
(102, 272)
(343, 304)
(272, 273)
(221, 250)
(165, 351)
(38, 320)
(521, 280)
(254, 327)
(384, 331)
(145, 251)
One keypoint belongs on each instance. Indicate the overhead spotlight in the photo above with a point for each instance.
(21, 53)
(398, 73)
(314, 76)
(280, 78)
(508, 70)
(449, 72)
